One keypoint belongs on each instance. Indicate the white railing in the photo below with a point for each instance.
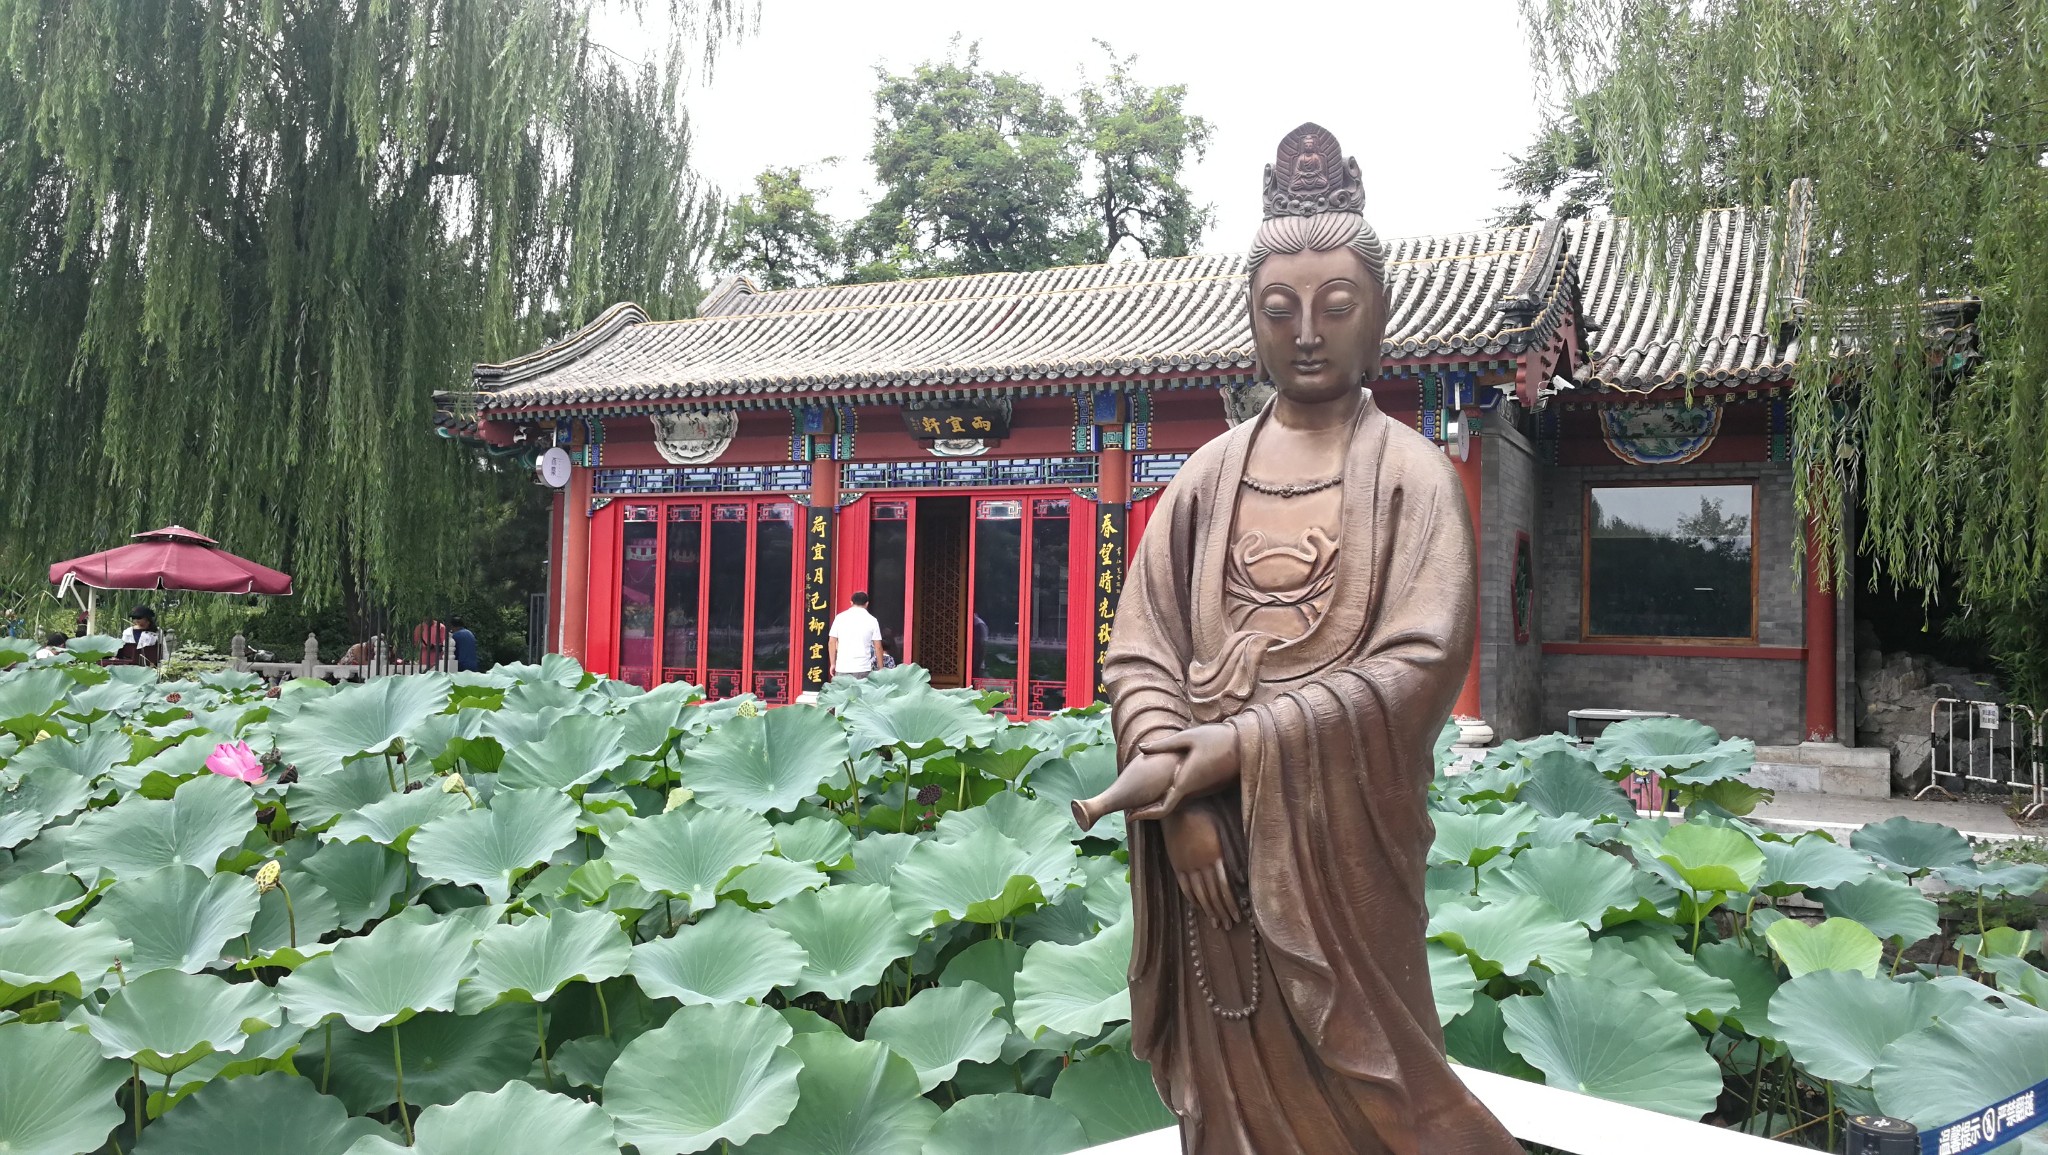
(371, 659)
(1564, 1120)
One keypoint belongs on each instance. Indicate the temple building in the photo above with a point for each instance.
(978, 453)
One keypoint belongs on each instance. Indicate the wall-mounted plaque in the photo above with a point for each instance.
(957, 422)
(695, 436)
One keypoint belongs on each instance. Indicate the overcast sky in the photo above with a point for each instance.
(1431, 97)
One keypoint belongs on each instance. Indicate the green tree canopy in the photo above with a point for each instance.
(777, 234)
(1138, 140)
(249, 242)
(1920, 127)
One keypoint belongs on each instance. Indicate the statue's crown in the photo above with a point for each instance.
(1310, 174)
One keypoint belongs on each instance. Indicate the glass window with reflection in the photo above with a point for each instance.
(1671, 561)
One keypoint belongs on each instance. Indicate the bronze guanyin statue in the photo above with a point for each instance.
(1296, 624)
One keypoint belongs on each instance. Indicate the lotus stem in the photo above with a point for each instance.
(398, 1069)
(903, 817)
(963, 785)
(327, 1063)
(135, 1100)
(390, 779)
(603, 1009)
(291, 917)
(1831, 1114)
(540, 1029)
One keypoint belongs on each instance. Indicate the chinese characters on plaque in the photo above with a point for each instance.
(817, 595)
(957, 422)
(1111, 521)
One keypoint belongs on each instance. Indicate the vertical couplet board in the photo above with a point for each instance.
(817, 587)
(1112, 524)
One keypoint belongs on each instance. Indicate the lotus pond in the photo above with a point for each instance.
(539, 911)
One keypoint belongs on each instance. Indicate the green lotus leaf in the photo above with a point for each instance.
(917, 720)
(516, 1119)
(773, 880)
(56, 1092)
(992, 963)
(1082, 774)
(359, 720)
(1112, 1095)
(312, 916)
(1811, 861)
(1837, 944)
(583, 1062)
(942, 1027)
(1108, 890)
(38, 894)
(176, 918)
(690, 852)
(856, 1099)
(1839, 1023)
(1684, 750)
(730, 955)
(575, 751)
(111, 697)
(1478, 1038)
(1676, 974)
(848, 934)
(1474, 839)
(1077, 989)
(876, 857)
(206, 818)
(2019, 978)
(315, 801)
(1452, 981)
(271, 1049)
(486, 848)
(2000, 940)
(1039, 825)
(274, 1113)
(1583, 883)
(530, 961)
(362, 879)
(652, 721)
(28, 697)
(446, 1056)
(771, 761)
(1011, 753)
(397, 970)
(391, 819)
(1005, 1124)
(166, 1021)
(2024, 878)
(40, 953)
(985, 877)
(1911, 846)
(1892, 909)
(1490, 781)
(1598, 1038)
(31, 804)
(1565, 782)
(1952, 1069)
(1512, 935)
(710, 1074)
(88, 757)
(825, 842)
(1711, 858)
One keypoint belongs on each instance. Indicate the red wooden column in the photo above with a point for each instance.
(575, 584)
(1820, 646)
(1468, 477)
(558, 520)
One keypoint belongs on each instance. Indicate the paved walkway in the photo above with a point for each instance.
(1848, 811)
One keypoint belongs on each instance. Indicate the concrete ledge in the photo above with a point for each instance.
(1823, 768)
(1552, 1117)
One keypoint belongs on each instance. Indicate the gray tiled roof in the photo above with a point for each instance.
(1464, 299)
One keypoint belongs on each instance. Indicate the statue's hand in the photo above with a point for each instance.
(1207, 756)
(1194, 845)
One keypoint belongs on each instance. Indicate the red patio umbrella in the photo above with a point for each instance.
(172, 558)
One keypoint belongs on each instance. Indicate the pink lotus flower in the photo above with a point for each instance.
(236, 761)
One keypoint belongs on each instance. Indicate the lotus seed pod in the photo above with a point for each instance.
(453, 784)
(678, 797)
(267, 875)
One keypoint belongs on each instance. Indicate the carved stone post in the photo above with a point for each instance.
(310, 667)
(238, 653)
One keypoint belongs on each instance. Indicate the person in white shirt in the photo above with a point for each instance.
(855, 644)
(143, 636)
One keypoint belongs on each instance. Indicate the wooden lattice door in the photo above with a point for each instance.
(941, 567)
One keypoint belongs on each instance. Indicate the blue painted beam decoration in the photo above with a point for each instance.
(2000, 1123)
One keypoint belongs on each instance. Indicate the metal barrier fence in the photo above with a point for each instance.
(1987, 744)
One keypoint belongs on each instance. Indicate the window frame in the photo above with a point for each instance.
(1586, 633)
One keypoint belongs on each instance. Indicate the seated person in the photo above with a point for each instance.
(141, 643)
(53, 644)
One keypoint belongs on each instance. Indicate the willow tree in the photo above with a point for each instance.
(246, 241)
(1921, 126)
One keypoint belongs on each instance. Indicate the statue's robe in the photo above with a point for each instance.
(1328, 828)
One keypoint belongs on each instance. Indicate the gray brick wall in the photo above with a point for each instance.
(1757, 699)
(1510, 674)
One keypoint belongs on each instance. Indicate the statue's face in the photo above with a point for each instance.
(1317, 319)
